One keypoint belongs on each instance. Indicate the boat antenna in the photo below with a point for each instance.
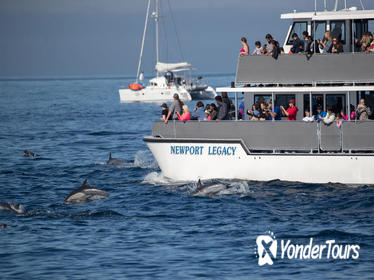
(325, 4)
(144, 32)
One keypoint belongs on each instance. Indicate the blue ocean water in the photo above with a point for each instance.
(149, 227)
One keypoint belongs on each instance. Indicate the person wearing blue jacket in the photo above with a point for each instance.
(198, 113)
(298, 45)
(321, 114)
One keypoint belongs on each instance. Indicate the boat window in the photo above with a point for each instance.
(259, 97)
(320, 29)
(338, 30)
(283, 99)
(363, 25)
(317, 101)
(298, 28)
(337, 102)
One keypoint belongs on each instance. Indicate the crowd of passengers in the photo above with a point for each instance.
(307, 45)
(260, 111)
(224, 109)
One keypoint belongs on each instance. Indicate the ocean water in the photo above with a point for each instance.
(149, 227)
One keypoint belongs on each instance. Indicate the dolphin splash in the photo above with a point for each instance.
(12, 207)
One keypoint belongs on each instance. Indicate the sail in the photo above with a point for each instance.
(173, 67)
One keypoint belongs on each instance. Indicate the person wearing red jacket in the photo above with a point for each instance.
(291, 112)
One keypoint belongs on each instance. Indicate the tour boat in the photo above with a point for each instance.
(170, 78)
(308, 152)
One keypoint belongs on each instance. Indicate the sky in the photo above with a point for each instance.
(94, 38)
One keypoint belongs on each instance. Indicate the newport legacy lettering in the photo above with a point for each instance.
(198, 150)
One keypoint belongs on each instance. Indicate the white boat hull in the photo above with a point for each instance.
(205, 163)
(153, 94)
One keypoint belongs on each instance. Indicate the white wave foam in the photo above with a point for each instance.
(156, 178)
(144, 159)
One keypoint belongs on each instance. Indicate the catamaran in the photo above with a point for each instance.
(169, 76)
(308, 152)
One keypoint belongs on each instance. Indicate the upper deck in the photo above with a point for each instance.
(301, 69)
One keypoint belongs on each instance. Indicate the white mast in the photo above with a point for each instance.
(155, 15)
(141, 49)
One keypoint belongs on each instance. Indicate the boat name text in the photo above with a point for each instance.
(199, 150)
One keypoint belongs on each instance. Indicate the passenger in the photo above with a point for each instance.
(231, 110)
(362, 111)
(186, 116)
(305, 40)
(364, 43)
(370, 49)
(308, 117)
(241, 111)
(275, 50)
(297, 45)
(258, 49)
(175, 108)
(264, 112)
(226, 100)
(326, 45)
(275, 114)
(245, 49)
(164, 112)
(268, 48)
(223, 113)
(353, 114)
(330, 116)
(213, 111)
(291, 112)
(337, 47)
(309, 50)
(207, 113)
(320, 114)
(198, 112)
(253, 114)
(339, 120)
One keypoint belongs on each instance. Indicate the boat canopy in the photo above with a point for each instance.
(173, 67)
(331, 15)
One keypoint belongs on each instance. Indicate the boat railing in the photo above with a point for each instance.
(278, 136)
(340, 68)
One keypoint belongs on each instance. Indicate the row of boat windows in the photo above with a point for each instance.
(338, 29)
(336, 101)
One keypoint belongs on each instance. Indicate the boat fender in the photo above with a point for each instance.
(135, 86)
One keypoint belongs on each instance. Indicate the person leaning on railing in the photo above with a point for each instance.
(330, 116)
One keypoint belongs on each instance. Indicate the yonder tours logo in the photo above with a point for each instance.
(267, 249)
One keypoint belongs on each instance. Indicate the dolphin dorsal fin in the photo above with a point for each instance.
(85, 182)
(110, 155)
(199, 184)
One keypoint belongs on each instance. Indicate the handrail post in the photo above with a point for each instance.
(272, 104)
(236, 106)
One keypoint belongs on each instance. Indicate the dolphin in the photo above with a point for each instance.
(12, 207)
(85, 193)
(27, 153)
(112, 160)
(208, 190)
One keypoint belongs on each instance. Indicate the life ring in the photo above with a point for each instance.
(135, 86)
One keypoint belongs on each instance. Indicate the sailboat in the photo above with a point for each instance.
(168, 80)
